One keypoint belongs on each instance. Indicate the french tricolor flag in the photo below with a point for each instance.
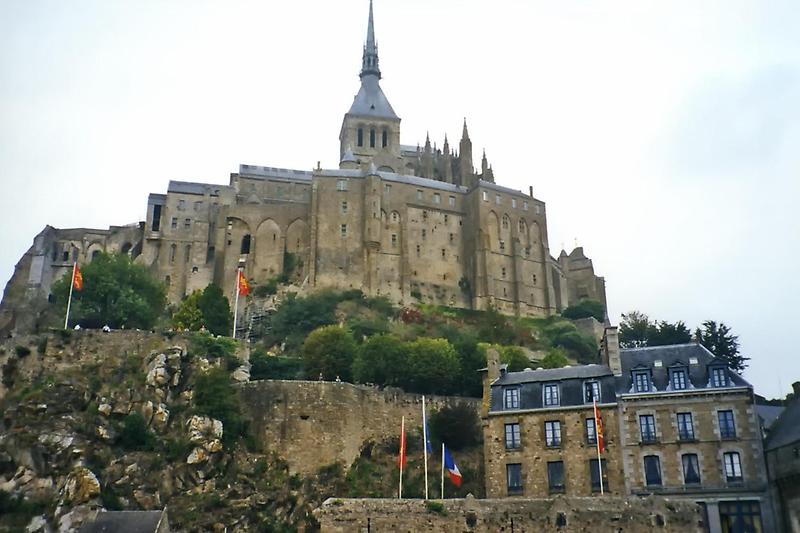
(452, 469)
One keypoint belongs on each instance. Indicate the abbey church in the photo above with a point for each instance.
(409, 222)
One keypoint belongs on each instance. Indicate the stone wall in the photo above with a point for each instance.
(620, 515)
(312, 424)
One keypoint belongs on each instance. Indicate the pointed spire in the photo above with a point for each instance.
(465, 133)
(369, 61)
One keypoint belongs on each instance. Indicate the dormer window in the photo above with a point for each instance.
(551, 398)
(591, 391)
(719, 377)
(511, 398)
(641, 381)
(678, 379)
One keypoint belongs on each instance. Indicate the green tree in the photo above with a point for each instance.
(382, 360)
(719, 340)
(328, 351)
(635, 329)
(585, 308)
(666, 333)
(555, 358)
(116, 292)
(456, 425)
(496, 328)
(433, 366)
(216, 397)
(216, 310)
(188, 316)
(514, 357)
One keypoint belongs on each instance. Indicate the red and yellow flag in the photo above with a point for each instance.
(598, 424)
(244, 287)
(401, 460)
(77, 278)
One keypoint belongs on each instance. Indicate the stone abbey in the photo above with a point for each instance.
(407, 222)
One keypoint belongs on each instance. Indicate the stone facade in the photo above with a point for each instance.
(783, 465)
(630, 515)
(312, 424)
(409, 223)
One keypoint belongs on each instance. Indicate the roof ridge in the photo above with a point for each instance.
(643, 348)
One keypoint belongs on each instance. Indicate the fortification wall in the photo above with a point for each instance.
(312, 424)
(598, 514)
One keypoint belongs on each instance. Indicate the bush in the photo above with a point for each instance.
(41, 345)
(215, 396)
(382, 360)
(328, 352)
(216, 310)
(555, 358)
(188, 315)
(585, 308)
(270, 287)
(456, 425)
(581, 347)
(263, 366)
(514, 357)
(210, 346)
(22, 351)
(134, 434)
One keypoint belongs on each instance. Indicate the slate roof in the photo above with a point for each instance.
(124, 522)
(500, 188)
(397, 178)
(371, 102)
(569, 379)
(786, 429)
(769, 413)
(192, 187)
(671, 356)
(275, 172)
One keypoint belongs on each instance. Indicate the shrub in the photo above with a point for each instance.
(210, 346)
(215, 396)
(514, 357)
(270, 287)
(585, 308)
(328, 351)
(555, 358)
(41, 345)
(134, 434)
(435, 507)
(22, 351)
(582, 347)
(263, 366)
(456, 425)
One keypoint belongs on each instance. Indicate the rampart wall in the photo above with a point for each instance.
(311, 424)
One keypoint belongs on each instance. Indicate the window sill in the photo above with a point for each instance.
(648, 442)
(515, 492)
(558, 490)
(688, 440)
(512, 450)
(553, 446)
(729, 437)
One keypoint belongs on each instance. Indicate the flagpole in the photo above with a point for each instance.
(425, 444)
(236, 304)
(402, 453)
(442, 493)
(69, 299)
(597, 445)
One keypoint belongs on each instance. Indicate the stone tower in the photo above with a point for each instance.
(371, 129)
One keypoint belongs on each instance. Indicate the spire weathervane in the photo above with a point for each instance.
(369, 61)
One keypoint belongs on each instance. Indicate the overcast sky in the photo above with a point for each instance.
(662, 135)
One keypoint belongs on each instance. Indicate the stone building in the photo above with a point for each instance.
(677, 422)
(539, 432)
(407, 222)
(783, 465)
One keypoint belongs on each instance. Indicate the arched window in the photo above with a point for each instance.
(360, 140)
(372, 138)
(385, 139)
(126, 248)
(172, 250)
(522, 226)
(95, 254)
(188, 254)
(245, 245)
(505, 221)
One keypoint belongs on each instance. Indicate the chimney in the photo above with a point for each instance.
(530, 191)
(796, 389)
(610, 350)
(491, 374)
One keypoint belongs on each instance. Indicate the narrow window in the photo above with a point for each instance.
(188, 255)
(172, 251)
(245, 248)
(497, 199)
(372, 138)
(424, 216)
(678, 379)
(503, 272)
(360, 137)
(552, 434)
(591, 391)
(521, 226)
(387, 188)
(418, 250)
(341, 185)
(641, 381)
(343, 230)
(594, 471)
(512, 436)
(528, 254)
(181, 205)
(385, 139)
(555, 476)
(174, 223)
(394, 239)
(514, 478)
(344, 207)
(513, 203)
(419, 194)
(187, 223)
(210, 254)
(718, 378)
(691, 469)
(538, 209)
(156, 218)
(652, 470)
(451, 201)
(437, 199)
(524, 205)
(446, 218)
(505, 222)
(733, 466)
(591, 431)
(450, 237)
(424, 234)
(395, 217)
(511, 398)
(685, 426)
(727, 427)
(485, 196)
(551, 395)
(502, 246)
(443, 253)
(647, 428)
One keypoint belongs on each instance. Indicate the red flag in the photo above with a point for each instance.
(598, 424)
(401, 460)
(244, 287)
(77, 278)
